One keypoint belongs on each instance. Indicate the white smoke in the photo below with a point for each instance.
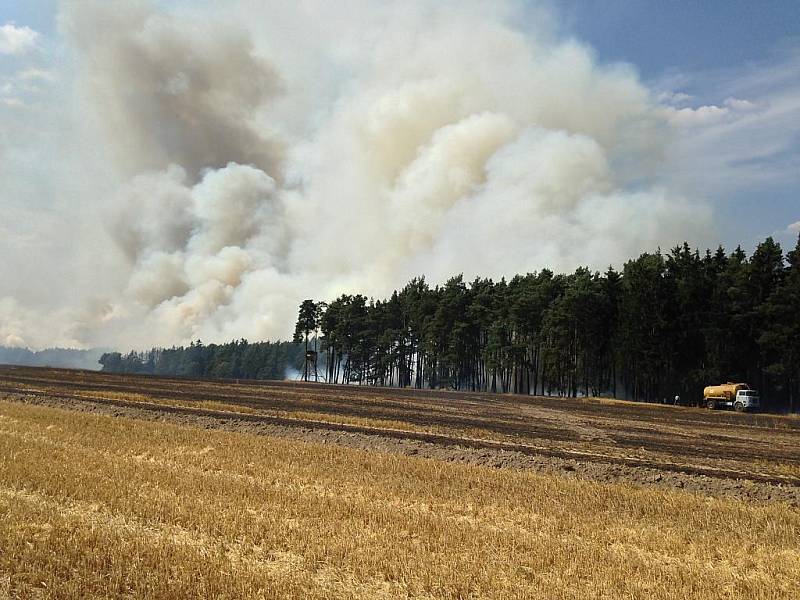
(171, 90)
(272, 153)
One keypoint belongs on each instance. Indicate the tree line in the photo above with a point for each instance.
(667, 324)
(234, 360)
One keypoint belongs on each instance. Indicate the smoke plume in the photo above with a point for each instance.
(264, 154)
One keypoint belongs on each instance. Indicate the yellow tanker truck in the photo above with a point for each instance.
(738, 396)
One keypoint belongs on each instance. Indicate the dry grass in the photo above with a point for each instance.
(385, 423)
(291, 414)
(94, 506)
(780, 468)
(590, 447)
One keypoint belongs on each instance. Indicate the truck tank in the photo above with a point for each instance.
(726, 390)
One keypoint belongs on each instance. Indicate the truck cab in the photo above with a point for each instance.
(747, 400)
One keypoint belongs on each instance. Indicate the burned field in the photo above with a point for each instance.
(119, 486)
(754, 456)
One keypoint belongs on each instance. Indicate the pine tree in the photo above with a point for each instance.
(307, 321)
(780, 339)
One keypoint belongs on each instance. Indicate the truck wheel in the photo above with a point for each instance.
(711, 404)
(738, 407)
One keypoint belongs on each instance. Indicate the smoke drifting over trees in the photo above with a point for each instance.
(69, 358)
(246, 157)
(238, 359)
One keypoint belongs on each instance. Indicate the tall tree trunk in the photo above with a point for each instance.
(305, 360)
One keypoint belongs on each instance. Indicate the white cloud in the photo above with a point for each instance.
(794, 227)
(23, 87)
(674, 98)
(12, 102)
(34, 74)
(17, 40)
(693, 117)
(705, 115)
(739, 104)
(748, 139)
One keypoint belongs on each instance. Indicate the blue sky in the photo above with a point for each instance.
(684, 35)
(38, 14)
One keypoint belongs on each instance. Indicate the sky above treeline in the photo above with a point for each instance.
(173, 169)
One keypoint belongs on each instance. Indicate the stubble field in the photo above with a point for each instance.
(115, 486)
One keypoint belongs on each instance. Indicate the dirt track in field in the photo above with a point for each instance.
(746, 456)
